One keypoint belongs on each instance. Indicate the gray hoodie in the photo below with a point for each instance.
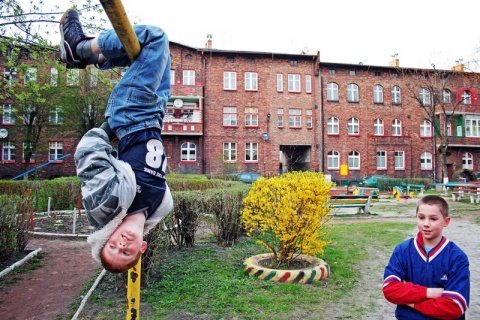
(108, 189)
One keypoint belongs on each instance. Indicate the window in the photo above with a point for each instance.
(280, 82)
(28, 150)
(230, 80)
(230, 59)
(294, 118)
(189, 151)
(396, 127)
(251, 151)
(426, 161)
(378, 128)
(426, 129)
(8, 152)
(399, 160)
(395, 75)
(424, 97)
(294, 62)
(56, 115)
(280, 117)
(73, 75)
(332, 71)
(229, 116)
(353, 126)
(29, 116)
(446, 96)
(352, 72)
(53, 77)
(250, 60)
(466, 97)
(332, 126)
(229, 151)
(309, 115)
(10, 76)
(8, 117)
(251, 81)
(188, 77)
(448, 129)
(354, 160)
(333, 160)
(308, 83)
(30, 75)
(352, 92)
(467, 161)
(396, 95)
(381, 160)
(251, 117)
(472, 126)
(378, 94)
(378, 74)
(172, 77)
(294, 83)
(55, 150)
(332, 91)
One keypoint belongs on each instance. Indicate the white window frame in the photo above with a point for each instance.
(472, 126)
(377, 94)
(294, 83)
(188, 78)
(230, 116)
(378, 127)
(353, 127)
(381, 160)
(30, 75)
(309, 118)
(8, 115)
(332, 91)
(466, 97)
(352, 92)
(399, 160)
(333, 160)
(56, 116)
(10, 75)
(426, 161)
(24, 146)
(73, 77)
(280, 118)
(55, 150)
(251, 150)
(354, 160)
(229, 80)
(467, 161)
(426, 129)
(251, 81)
(172, 77)
(251, 117)
(295, 118)
(229, 151)
(308, 83)
(188, 152)
(397, 128)
(333, 126)
(425, 97)
(279, 82)
(396, 95)
(8, 152)
(53, 77)
(446, 96)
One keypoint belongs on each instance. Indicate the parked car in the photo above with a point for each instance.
(372, 181)
(246, 177)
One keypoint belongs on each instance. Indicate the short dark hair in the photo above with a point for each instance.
(115, 268)
(432, 199)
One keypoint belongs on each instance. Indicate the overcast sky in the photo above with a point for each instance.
(421, 32)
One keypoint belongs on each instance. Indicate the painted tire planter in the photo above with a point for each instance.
(318, 270)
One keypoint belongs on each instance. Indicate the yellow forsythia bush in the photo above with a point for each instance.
(287, 214)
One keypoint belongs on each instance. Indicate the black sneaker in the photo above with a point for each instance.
(71, 34)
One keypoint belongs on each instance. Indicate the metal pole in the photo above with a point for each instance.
(133, 291)
(118, 17)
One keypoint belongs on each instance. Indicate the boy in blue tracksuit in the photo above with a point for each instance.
(124, 196)
(428, 276)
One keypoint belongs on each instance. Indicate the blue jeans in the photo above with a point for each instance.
(138, 101)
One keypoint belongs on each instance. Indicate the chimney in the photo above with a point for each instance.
(395, 62)
(208, 44)
(459, 65)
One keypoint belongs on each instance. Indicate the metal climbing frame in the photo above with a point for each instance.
(120, 22)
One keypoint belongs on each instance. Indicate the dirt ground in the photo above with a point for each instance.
(47, 292)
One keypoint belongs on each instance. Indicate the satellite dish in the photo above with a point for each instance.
(178, 103)
(3, 133)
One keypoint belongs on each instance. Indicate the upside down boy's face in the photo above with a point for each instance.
(124, 244)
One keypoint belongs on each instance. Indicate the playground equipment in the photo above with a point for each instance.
(40, 166)
(118, 17)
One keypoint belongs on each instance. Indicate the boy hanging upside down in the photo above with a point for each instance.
(124, 194)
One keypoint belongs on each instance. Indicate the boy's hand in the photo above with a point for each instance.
(433, 293)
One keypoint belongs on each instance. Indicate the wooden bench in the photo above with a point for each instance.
(466, 190)
(363, 203)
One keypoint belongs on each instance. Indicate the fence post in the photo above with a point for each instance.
(133, 291)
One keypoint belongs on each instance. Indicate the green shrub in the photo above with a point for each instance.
(14, 224)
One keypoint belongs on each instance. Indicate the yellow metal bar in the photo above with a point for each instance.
(133, 291)
(118, 17)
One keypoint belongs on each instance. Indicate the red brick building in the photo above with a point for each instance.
(273, 112)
